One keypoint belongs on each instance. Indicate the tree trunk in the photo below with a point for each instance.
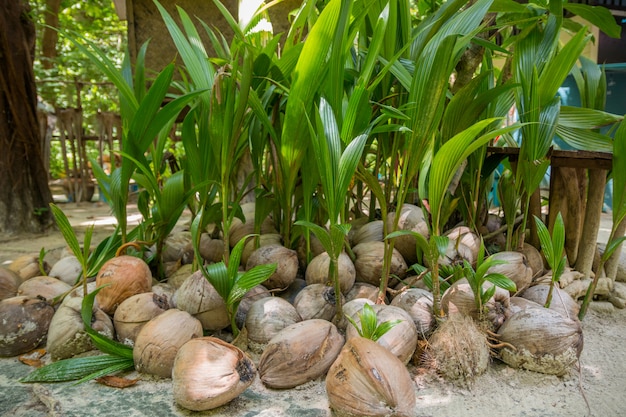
(50, 35)
(24, 191)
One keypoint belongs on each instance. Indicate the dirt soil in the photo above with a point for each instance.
(596, 386)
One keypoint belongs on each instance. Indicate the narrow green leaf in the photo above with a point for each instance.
(67, 231)
(612, 246)
(322, 234)
(79, 368)
(586, 118)
(384, 327)
(217, 275)
(501, 281)
(249, 280)
(558, 236)
(585, 140)
(545, 239)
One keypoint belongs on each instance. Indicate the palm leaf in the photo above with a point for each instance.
(79, 368)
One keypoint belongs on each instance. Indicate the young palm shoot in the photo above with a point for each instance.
(336, 169)
(477, 278)
(553, 249)
(370, 329)
(231, 284)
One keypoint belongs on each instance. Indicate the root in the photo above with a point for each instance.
(581, 388)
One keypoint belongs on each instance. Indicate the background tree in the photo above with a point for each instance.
(24, 191)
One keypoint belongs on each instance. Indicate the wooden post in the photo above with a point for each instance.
(591, 224)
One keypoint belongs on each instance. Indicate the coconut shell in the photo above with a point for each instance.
(459, 299)
(211, 250)
(67, 336)
(516, 268)
(286, 261)
(68, 269)
(317, 271)
(23, 325)
(418, 303)
(27, 266)
(401, 340)
(43, 286)
(158, 341)
(561, 302)
(300, 353)
(411, 218)
(253, 244)
(544, 341)
(256, 293)
(266, 318)
(362, 290)
(127, 276)
(316, 301)
(209, 372)
(9, 283)
(199, 298)
(368, 380)
(458, 350)
(369, 232)
(369, 263)
(135, 312)
(533, 258)
(238, 229)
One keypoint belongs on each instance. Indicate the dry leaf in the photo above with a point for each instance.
(33, 358)
(116, 381)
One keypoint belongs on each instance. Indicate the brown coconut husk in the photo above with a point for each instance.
(457, 350)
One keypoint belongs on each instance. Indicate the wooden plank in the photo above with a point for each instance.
(562, 158)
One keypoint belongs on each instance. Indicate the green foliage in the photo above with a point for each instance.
(553, 249)
(370, 329)
(231, 284)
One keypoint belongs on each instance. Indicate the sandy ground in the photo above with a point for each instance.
(596, 386)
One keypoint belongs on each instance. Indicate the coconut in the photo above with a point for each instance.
(180, 275)
(9, 283)
(368, 380)
(351, 309)
(67, 336)
(458, 350)
(362, 290)
(127, 276)
(67, 269)
(316, 301)
(542, 340)
(317, 271)
(310, 251)
(200, 299)
(43, 286)
(516, 268)
(253, 243)
(534, 259)
(24, 324)
(256, 293)
(27, 266)
(209, 372)
(286, 261)
(561, 302)
(238, 229)
(459, 298)
(177, 247)
(266, 318)
(369, 232)
(401, 340)
(134, 312)
(211, 249)
(411, 218)
(419, 304)
(300, 353)
(369, 263)
(160, 339)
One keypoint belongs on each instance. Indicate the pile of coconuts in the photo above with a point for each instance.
(180, 328)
